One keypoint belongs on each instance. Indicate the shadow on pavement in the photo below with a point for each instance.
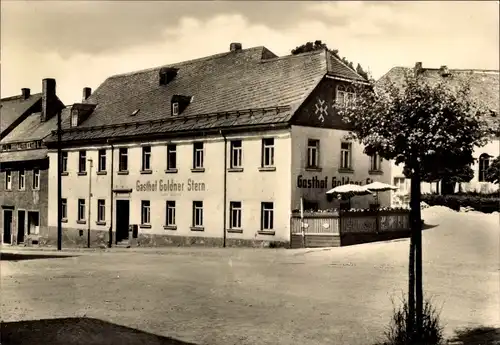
(27, 256)
(77, 331)
(477, 336)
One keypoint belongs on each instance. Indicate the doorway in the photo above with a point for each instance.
(7, 226)
(33, 223)
(21, 218)
(122, 219)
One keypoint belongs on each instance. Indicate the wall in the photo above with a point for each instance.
(27, 199)
(249, 186)
(330, 140)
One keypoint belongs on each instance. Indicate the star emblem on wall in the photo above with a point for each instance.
(321, 109)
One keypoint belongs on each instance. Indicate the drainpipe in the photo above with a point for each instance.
(110, 244)
(225, 186)
(90, 201)
(59, 183)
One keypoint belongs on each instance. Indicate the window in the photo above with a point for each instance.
(146, 158)
(175, 108)
(8, 180)
(22, 179)
(36, 179)
(235, 215)
(267, 216)
(170, 213)
(171, 157)
(64, 162)
(101, 211)
(81, 210)
(484, 163)
(375, 162)
(197, 214)
(74, 119)
(198, 156)
(123, 159)
(102, 160)
(82, 163)
(400, 182)
(312, 153)
(64, 209)
(236, 151)
(145, 212)
(345, 95)
(345, 156)
(267, 152)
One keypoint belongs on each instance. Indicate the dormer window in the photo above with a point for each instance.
(74, 119)
(175, 108)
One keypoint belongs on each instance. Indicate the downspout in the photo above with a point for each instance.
(225, 187)
(110, 244)
(90, 202)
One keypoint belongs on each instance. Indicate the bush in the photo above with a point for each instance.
(396, 333)
(485, 204)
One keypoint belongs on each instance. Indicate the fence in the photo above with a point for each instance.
(332, 229)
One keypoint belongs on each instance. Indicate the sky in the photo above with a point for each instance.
(81, 43)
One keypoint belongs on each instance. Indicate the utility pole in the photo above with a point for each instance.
(59, 181)
(90, 201)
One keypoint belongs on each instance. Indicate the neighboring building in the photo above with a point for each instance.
(484, 88)
(26, 120)
(222, 146)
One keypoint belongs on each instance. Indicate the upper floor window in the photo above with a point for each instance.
(64, 162)
(123, 159)
(267, 152)
(345, 155)
(171, 157)
(8, 180)
(146, 158)
(484, 163)
(312, 153)
(36, 179)
(102, 160)
(82, 162)
(198, 155)
(236, 154)
(345, 95)
(22, 179)
(375, 162)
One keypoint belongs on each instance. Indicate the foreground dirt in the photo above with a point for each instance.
(283, 297)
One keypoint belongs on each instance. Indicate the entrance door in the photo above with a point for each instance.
(21, 215)
(122, 219)
(7, 226)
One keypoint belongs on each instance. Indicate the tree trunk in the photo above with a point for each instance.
(417, 230)
(411, 287)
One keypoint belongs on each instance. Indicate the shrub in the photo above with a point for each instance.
(485, 204)
(396, 333)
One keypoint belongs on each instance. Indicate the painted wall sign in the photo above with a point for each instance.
(322, 183)
(169, 186)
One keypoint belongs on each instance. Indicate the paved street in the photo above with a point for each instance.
(248, 296)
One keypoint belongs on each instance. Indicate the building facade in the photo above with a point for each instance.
(204, 165)
(484, 89)
(26, 121)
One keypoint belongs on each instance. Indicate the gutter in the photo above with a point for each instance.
(110, 243)
(225, 188)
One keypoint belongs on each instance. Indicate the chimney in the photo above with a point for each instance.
(235, 47)
(86, 93)
(25, 93)
(48, 99)
(444, 71)
(418, 68)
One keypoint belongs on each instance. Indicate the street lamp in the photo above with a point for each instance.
(90, 201)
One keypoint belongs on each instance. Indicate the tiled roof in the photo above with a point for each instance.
(249, 79)
(22, 155)
(485, 86)
(33, 129)
(13, 107)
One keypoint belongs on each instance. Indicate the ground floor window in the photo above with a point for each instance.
(267, 216)
(64, 209)
(101, 210)
(170, 213)
(81, 210)
(235, 215)
(198, 214)
(145, 212)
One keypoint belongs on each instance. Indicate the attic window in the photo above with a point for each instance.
(175, 108)
(135, 112)
(74, 119)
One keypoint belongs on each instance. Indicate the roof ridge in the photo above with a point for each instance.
(345, 65)
(180, 63)
(314, 52)
(11, 98)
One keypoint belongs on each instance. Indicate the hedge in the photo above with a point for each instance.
(485, 204)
